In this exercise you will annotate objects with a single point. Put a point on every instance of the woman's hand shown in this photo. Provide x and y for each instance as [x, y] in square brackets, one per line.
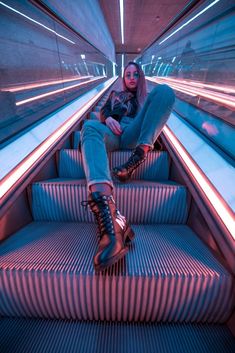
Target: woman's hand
[113, 125]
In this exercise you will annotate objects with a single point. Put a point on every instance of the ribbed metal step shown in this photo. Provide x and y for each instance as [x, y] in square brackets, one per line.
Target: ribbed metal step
[141, 202]
[168, 275]
[37, 336]
[156, 167]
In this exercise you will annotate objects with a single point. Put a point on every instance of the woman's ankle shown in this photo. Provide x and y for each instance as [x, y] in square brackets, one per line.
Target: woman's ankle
[103, 188]
[145, 148]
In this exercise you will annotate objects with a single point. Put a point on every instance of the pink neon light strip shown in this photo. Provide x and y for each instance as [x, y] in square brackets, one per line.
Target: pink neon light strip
[43, 84]
[219, 96]
[216, 201]
[227, 89]
[9, 180]
[55, 92]
[216, 97]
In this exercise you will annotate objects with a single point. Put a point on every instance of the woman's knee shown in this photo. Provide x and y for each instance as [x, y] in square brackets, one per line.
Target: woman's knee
[95, 116]
[163, 93]
[163, 90]
[91, 126]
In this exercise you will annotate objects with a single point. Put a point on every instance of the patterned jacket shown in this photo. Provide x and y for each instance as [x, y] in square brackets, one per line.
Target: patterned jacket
[120, 104]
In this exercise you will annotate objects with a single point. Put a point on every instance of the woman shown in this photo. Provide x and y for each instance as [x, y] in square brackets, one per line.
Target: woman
[129, 120]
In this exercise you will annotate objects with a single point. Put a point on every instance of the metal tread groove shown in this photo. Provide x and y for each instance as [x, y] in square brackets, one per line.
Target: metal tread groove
[155, 202]
[156, 166]
[168, 275]
[25, 335]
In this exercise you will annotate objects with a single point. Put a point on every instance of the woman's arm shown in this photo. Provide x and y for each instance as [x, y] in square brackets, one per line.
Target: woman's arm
[106, 110]
[113, 125]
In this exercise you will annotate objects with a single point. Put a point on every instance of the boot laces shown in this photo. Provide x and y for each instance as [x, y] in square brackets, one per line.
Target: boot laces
[100, 209]
[134, 161]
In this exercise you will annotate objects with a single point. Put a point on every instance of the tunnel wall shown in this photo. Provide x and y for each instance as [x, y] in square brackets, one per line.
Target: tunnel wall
[43, 66]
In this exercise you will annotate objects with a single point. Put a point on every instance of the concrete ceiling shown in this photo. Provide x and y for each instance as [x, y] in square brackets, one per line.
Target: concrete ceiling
[144, 21]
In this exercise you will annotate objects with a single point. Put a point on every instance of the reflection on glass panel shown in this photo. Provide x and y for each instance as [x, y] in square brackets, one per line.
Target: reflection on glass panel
[197, 59]
[43, 65]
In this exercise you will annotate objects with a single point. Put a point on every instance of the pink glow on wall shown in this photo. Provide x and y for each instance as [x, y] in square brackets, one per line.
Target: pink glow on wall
[11, 179]
[56, 91]
[192, 88]
[24, 87]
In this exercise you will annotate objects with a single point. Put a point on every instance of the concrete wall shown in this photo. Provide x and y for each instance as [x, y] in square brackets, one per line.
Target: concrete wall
[86, 17]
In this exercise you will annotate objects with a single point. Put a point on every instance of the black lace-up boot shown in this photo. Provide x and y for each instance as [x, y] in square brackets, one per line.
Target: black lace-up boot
[114, 230]
[124, 172]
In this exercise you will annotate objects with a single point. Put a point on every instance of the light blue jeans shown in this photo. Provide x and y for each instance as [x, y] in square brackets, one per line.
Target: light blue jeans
[97, 139]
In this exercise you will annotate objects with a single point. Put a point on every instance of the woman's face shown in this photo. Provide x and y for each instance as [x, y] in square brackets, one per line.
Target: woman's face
[131, 77]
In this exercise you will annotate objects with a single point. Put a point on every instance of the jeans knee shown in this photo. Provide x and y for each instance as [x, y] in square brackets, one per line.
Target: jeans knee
[90, 126]
[95, 116]
[163, 91]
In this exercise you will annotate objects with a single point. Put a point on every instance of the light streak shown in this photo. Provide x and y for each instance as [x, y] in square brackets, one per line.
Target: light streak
[39, 85]
[28, 100]
[226, 89]
[215, 199]
[189, 21]
[11, 178]
[217, 97]
[159, 68]
[122, 64]
[36, 22]
[114, 69]
[122, 19]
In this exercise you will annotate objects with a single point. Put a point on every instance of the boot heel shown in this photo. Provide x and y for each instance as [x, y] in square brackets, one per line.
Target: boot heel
[129, 235]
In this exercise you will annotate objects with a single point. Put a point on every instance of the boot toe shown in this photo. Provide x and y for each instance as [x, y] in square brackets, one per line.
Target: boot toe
[108, 258]
[120, 174]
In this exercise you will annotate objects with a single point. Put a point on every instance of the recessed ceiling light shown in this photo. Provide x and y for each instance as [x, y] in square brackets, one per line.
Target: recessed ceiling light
[121, 5]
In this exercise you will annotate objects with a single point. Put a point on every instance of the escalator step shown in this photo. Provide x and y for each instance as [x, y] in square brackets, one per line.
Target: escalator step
[140, 201]
[168, 275]
[156, 167]
[54, 336]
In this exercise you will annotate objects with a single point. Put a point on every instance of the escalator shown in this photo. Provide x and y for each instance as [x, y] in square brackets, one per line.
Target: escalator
[169, 294]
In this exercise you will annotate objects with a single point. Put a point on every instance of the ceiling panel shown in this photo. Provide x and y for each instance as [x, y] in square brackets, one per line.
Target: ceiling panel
[144, 21]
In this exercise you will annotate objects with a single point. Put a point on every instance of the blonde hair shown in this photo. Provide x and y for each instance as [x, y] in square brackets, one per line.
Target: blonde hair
[141, 91]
